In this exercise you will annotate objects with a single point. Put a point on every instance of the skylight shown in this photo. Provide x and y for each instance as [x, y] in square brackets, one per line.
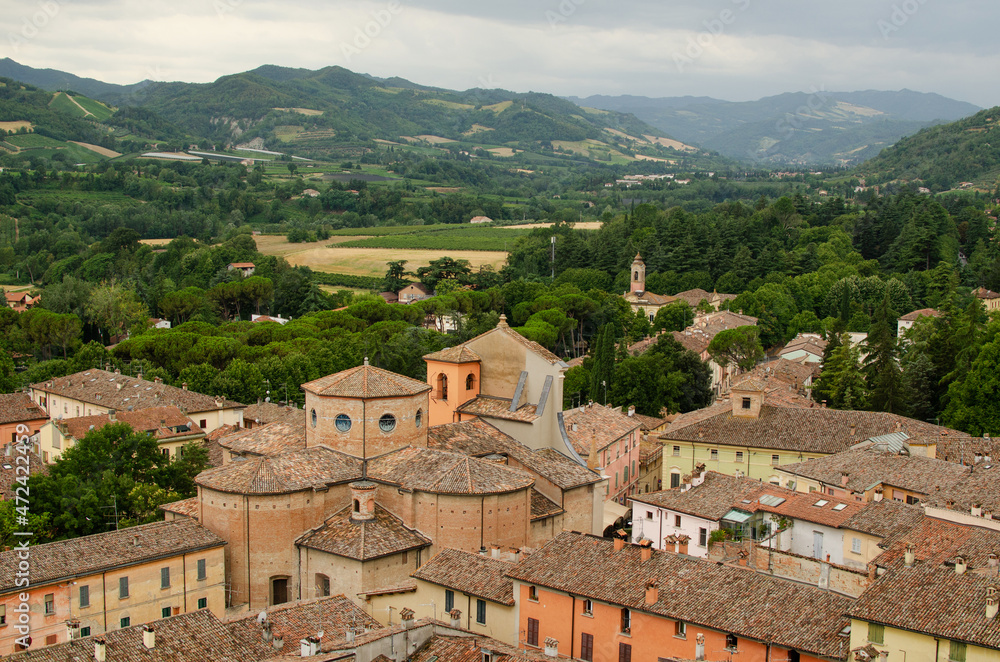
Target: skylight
[821, 503]
[840, 506]
[772, 500]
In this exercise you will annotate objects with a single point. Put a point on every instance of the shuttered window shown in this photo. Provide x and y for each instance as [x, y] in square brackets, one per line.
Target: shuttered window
[624, 652]
[532, 631]
[587, 647]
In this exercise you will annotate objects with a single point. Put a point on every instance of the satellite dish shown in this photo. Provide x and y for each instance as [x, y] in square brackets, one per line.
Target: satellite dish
[262, 618]
[319, 635]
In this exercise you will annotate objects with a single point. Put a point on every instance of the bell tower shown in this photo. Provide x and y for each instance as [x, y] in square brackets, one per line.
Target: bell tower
[638, 282]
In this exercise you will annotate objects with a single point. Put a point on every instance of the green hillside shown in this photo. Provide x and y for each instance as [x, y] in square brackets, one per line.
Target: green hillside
[943, 156]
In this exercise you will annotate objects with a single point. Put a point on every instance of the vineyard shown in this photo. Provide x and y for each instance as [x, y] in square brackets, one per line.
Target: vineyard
[441, 237]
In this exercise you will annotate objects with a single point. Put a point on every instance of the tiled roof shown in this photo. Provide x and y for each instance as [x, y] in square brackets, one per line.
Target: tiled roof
[459, 354]
[967, 450]
[886, 519]
[479, 439]
[263, 413]
[649, 422]
[813, 345]
[503, 328]
[867, 467]
[9, 475]
[723, 598]
[442, 648]
[101, 388]
[440, 472]
[295, 621]
[77, 557]
[192, 637]
[937, 542]
[815, 430]
[163, 423]
[18, 408]
[366, 381]
[749, 384]
[649, 448]
[816, 508]
[270, 439]
[363, 540]
[722, 320]
[596, 423]
[793, 373]
[475, 574]
[694, 297]
[282, 474]
[983, 293]
[241, 265]
[979, 488]
[917, 314]
[184, 507]
[490, 406]
[713, 498]
[542, 506]
[649, 298]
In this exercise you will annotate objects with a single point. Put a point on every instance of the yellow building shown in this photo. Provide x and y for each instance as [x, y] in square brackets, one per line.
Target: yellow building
[474, 584]
[759, 429]
[95, 392]
[95, 584]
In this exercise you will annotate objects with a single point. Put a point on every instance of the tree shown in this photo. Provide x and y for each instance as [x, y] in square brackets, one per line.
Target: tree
[882, 368]
[394, 280]
[117, 309]
[974, 402]
[740, 346]
[442, 269]
[603, 367]
[674, 317]
[182, 305]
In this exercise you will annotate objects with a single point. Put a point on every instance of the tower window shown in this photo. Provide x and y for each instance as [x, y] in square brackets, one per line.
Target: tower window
[387, 423]
[343, 422]
[312, 415]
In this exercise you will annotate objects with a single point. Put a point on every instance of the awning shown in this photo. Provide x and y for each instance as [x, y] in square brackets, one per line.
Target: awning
[737, 516]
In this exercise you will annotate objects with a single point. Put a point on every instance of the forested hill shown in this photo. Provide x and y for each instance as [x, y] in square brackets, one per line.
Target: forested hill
[24, 103]
[942, 157]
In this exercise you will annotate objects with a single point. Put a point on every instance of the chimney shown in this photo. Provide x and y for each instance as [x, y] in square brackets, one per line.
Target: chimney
[100, 650]
[652, 592]
[135, 541]
[184, 386]
[119, 386]
[960, 565]
[157, 380]
[551, 647]
[994, 560]
[350, 635]
[647, 550]
[844, 477]
[278, 642]
[976, 510]
[112, 414]
[406, 616]
[991, 602]
[910, 555]
[619, 544]
[138, 375]
[265, 632]
[149, 636]
[878, 494]
[575, 427]
[309, 647]
[631, 410]
[456, 618]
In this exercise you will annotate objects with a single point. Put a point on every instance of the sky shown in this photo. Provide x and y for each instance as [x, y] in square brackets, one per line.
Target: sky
[736, 50]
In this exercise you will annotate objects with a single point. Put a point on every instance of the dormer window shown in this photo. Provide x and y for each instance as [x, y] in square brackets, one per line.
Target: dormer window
[746, 403]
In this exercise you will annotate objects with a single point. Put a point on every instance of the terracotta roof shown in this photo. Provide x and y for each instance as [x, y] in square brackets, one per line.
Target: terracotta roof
[442, 648]
[885, 519]
[459, 354]
[715, 497]
[490, 406]
[543, 507]
[868, 467]
[983, 293]
[475, 574]
[976, 488]
[649, 449]
[184, 507]
[366, 381]
[317, 466]
[720, 597]
[101, 388]
[694, 297]
[603, 425]
[816, 508]
[363, 540]
[649, 422]
[295, 621]
[649, 298]
[418, 287]
[917, 314]
[269, 439]
[263, 413]
[793, 373]
[439, 472]
[192, 637]
[19, 408]
[57, 561]
[478, 438]
[695, 340]
[810, 344]
[966, 450]
[241, 265]
[796, 429]
[937, 542]
[749, 384]
[9, 473]
[504, 329]
[163, 423]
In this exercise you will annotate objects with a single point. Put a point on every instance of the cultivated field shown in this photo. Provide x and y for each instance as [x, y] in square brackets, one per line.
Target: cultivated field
[103, 151]
[15, 125]
[586, 225]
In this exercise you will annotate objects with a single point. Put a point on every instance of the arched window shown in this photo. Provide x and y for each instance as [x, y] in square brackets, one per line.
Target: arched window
[387, 423]
[312, 415]
[442, 387]
[635, 276]
[470, 382]
[419, 418]
[279, 590]
[322, 585]
[357, 506]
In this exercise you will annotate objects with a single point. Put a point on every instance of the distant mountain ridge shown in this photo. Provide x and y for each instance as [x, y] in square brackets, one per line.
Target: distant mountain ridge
[820, 128]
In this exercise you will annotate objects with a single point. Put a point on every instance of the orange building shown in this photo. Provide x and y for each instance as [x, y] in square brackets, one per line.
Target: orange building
[18, 409]
[634, 603]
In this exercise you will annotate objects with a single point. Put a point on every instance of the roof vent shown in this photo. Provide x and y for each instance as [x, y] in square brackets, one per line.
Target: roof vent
[960, 565]
[100, 650]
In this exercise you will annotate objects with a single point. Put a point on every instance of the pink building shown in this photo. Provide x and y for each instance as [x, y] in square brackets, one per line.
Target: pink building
[609, 442]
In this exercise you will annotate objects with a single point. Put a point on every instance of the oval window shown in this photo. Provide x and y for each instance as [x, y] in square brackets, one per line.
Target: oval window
[343, 422]
[313, 415]
[387, 423]
[419, 418]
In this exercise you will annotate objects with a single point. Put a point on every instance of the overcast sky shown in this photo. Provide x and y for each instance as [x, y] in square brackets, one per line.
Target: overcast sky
[728, 49]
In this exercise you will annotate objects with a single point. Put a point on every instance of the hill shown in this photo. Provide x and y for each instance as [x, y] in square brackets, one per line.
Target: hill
[336, 113]
[834, 128]
[942, 157]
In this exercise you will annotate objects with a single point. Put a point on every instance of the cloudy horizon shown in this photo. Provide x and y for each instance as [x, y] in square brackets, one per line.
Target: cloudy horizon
[736, 50]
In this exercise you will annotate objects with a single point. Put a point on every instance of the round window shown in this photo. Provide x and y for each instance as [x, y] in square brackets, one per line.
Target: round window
[387, 423]
[313, 415]
[343, 422]
[419, 418]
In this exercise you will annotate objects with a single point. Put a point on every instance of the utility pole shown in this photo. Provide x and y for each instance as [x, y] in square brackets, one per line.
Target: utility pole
[553, 258]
